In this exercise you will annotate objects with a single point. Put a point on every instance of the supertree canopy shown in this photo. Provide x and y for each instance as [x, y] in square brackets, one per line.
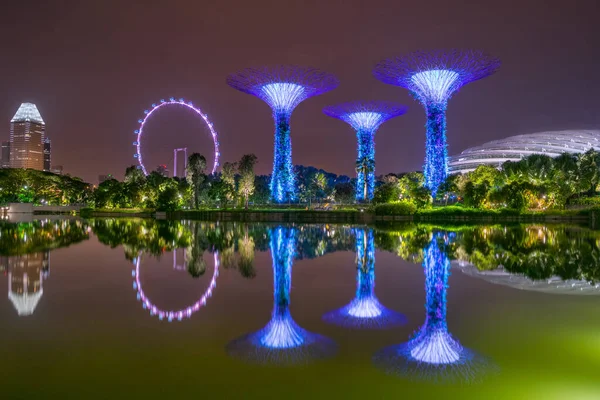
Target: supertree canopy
[365, 311]
[432, 353]
[432, 78]
[283, 88]
[365, 118]
[282, 341]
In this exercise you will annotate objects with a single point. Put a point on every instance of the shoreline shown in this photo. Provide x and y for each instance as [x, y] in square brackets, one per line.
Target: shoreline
[366, 217]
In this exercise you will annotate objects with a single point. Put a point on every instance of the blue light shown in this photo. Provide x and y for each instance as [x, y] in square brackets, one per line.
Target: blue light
[436, 85]
[282, 340]
[365, 118]
[282, 88]
[283, 96]
[365, 310]
[432, 78]
[432, 353]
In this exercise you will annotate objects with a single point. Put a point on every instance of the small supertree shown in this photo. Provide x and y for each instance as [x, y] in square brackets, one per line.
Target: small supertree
[365, 311]
[282, 341]
[432, 353]
[432, 78]
[365, 118]
[283, 88]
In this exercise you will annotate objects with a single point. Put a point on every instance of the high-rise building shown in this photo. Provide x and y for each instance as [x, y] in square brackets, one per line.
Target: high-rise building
[27, 129]
[57, 169]
[47, 153]
[5, 163]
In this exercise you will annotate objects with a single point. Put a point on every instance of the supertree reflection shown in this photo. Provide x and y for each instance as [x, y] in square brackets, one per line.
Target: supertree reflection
[432, 353]
[282, 341]
[365, 311]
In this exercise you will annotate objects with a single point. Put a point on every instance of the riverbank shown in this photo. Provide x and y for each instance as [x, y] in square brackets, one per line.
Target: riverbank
[357, 216]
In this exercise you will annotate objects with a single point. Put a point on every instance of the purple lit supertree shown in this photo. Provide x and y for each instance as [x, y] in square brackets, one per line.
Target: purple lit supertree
[365, 118]
[365, 311]
[283, 88]
[432, 353]
[432, 78]
[282, 341]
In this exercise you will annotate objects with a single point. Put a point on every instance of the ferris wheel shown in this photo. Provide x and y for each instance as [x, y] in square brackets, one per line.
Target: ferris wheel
[171, 315]
[176, 103]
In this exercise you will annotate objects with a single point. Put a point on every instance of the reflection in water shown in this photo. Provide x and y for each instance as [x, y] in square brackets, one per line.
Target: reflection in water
[282, 341]
[365, 311]
[25, 256]
[432, 353]
[173, 314]
[26, 274]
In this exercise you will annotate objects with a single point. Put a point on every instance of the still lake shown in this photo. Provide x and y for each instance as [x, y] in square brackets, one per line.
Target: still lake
[139, 308]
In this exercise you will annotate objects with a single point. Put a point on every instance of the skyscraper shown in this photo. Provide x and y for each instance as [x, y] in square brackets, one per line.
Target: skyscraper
[5, 155]
[27, 138]
[47, 153]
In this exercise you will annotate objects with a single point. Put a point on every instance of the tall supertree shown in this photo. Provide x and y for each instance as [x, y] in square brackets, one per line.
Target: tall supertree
[282, 341]
[432, 78]
[432, 353]
[365, 118]
[365, 311]
[283, 88]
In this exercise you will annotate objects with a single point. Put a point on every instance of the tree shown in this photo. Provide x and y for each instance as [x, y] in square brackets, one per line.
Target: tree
[386, 193]
[228, 179]
[365, 166]
[344, 192]
[195, 175]
[247, 177]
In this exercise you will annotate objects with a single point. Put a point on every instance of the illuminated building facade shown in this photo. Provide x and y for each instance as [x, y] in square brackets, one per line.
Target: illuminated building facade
[27, 130]
[514, 148]
[47, 154]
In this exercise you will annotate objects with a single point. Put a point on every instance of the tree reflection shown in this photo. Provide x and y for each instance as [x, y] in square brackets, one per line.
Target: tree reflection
[282, 340]
[25, 256]
[433, 353]
[365, 310]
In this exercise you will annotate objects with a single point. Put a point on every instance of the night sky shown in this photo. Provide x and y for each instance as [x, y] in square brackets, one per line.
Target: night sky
[92, 67]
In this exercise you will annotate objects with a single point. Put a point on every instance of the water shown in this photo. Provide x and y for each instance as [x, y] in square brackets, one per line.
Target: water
[116, 308]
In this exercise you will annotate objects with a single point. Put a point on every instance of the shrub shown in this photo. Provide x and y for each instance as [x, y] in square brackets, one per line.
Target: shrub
[402, 207]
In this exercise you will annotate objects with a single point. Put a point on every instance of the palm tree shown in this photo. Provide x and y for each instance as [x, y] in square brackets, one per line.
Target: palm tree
[365, 166]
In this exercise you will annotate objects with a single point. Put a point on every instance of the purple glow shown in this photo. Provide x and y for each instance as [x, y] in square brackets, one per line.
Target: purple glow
[179, 314]
[180, 102]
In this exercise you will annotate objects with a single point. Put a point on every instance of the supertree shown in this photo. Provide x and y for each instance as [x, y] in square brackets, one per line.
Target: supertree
[282, 341]
[283, 88]
[432, 78]
[365, 118]
[365, 311]
[432, 353]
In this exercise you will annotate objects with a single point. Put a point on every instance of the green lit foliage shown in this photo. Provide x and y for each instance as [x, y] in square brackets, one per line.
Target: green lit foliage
[195, 175]
[229, 185]
[39, 187]
[247, 177]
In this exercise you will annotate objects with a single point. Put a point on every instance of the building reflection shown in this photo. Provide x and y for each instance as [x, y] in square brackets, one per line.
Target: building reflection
[365, 310]
[433, 353]
[282, 340]
[26, 274]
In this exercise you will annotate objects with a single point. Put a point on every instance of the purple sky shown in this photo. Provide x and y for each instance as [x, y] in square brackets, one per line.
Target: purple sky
[93, 67]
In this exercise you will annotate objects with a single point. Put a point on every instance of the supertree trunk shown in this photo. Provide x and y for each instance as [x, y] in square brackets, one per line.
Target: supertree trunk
[436, 153]
[283, 178]
[366, 175]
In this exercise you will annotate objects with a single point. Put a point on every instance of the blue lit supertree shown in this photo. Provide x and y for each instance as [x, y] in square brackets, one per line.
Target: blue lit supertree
[283, 88]
[432, 353]
[282, 341]
[432, 78]
[365, 311]
[365, 118]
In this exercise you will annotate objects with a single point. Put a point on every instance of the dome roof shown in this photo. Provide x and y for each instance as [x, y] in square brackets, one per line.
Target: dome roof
[514, 148]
